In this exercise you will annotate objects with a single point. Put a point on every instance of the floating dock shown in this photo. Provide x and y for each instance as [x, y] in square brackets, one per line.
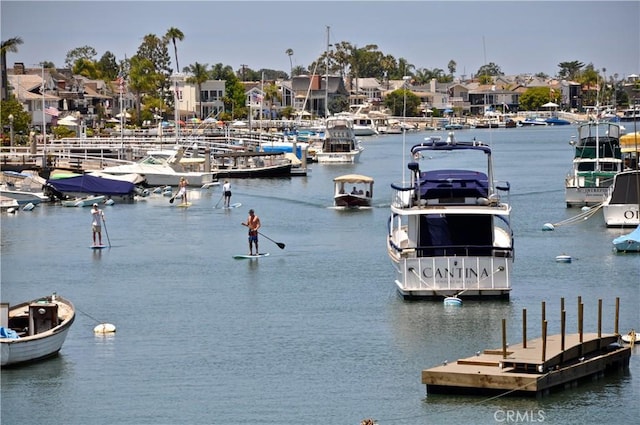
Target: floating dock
[534, 367]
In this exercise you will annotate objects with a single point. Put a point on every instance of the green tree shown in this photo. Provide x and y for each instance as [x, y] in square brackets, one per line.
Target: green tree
[570, 70]
[534, 97]
[155, 50]
[395, 101]
[86, 68]
[174, 34]
[108, 66]
[220, 71]
[21, 118]
[199, 74]
[451, 66]
[143, 78]
[84, 52]
[489, 69]
[7, 46]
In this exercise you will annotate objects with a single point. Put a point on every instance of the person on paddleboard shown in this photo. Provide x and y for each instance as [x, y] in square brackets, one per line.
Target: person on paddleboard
[253, 223]
[226, 192]
[182, 192]
[96, 224]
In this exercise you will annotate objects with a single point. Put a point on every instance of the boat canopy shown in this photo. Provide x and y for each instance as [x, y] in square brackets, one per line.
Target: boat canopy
[630, 142]
[90, 184]
[353, 178]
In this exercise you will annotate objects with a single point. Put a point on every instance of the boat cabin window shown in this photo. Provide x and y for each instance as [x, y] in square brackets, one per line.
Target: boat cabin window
[455, 234]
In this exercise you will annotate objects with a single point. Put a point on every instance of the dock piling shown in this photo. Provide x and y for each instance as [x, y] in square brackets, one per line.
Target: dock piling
[544, 342]
[615, 331]
[524, 328]
[504, 338]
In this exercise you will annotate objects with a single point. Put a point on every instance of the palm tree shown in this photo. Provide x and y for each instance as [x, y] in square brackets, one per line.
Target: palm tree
[10, 45]
[199, 74]
[272, 94]
[174, 34]
[289, 53]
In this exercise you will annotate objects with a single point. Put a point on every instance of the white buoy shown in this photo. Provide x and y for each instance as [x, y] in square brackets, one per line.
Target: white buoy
[585, 209]
[548, 226]
[455, 301]
[104, 328]
[109, 202]
[28, 207]
[563, 258]
[11, 210]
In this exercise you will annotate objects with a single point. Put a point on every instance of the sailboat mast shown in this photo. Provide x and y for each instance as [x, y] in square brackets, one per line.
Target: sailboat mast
[326, 78]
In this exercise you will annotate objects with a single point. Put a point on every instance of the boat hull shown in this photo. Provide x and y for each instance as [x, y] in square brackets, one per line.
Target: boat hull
[621, 215]
[585, 196]
[351, 201]
[41, 345]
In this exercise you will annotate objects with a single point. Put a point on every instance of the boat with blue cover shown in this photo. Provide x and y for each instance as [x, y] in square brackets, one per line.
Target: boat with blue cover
[449, 232]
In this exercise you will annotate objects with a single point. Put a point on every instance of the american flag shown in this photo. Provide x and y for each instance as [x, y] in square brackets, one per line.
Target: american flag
[121, 82]
[51, 111]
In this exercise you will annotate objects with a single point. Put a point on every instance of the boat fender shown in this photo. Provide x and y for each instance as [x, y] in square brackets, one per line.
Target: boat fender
[28, 207]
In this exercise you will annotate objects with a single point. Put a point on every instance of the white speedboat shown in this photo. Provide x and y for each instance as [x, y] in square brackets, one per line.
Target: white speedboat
[165, 167]
[352, 191]
[34, 330]
[340, 145]
[449, 232]
[24, 187]
[597, 159]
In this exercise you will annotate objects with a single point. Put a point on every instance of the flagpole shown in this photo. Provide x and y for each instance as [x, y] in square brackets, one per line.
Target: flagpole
[44, 124]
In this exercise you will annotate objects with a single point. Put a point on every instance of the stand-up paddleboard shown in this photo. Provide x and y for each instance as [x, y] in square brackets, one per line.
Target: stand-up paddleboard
[244, 257]
[236, 205]
[99, 246]
[184, 205]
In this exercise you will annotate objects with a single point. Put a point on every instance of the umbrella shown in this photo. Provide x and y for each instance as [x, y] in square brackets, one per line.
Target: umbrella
[126, 115]
[68, 121]
[194, 120]
[550, 105]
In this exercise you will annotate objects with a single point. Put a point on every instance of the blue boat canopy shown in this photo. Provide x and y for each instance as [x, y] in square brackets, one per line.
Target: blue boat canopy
[92, 185]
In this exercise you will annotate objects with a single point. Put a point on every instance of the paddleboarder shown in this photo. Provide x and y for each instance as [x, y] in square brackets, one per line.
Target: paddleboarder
[226, 192]
[97, 216]
[182, 192]
[253, 223]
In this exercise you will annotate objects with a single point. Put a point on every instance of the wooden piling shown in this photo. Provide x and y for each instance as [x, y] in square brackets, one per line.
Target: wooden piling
[544, 341]
[504, 338]
[615, 331]
[524, 328]
[563, 326]
[599, 318]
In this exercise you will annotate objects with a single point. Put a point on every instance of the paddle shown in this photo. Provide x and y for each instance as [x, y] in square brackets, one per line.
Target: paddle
[221, 196]
[174, 197]
[106, 232]
[280, 244]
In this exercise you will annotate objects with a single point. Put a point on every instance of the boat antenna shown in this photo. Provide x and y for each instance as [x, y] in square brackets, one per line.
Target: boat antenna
[405, 79]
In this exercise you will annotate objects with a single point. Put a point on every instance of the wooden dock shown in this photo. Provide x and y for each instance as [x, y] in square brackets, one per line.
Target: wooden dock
[519, 372]
[534, 367]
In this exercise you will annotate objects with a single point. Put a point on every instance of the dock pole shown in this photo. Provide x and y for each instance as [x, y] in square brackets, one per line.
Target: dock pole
[580, 328]
[544, 341]
[599, 321]
[615, 331]
[504, 338]
[524, 328]
[563, 328]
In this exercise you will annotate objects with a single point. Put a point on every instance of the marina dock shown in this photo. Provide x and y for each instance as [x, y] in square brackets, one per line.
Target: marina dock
[533, 367]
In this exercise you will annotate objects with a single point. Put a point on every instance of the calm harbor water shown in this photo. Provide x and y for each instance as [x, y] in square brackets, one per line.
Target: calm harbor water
[316, 332]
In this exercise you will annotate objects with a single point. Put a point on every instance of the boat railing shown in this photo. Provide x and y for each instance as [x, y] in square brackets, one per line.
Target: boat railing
[455, 250]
